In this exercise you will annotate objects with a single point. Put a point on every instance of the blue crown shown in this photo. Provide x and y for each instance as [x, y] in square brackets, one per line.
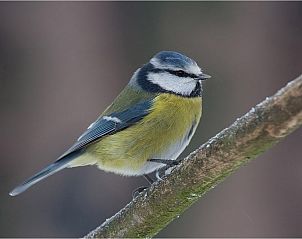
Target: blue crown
[172, 58]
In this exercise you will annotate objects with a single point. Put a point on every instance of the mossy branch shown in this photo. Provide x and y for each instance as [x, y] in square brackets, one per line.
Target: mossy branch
[255, 132]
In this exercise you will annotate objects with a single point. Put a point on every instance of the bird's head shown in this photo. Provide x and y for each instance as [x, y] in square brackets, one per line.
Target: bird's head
[171, 72]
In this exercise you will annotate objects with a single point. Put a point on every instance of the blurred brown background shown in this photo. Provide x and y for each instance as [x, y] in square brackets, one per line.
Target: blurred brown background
[62, 63]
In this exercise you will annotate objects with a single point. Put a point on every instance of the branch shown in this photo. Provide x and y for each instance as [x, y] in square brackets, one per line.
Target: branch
[248, 137]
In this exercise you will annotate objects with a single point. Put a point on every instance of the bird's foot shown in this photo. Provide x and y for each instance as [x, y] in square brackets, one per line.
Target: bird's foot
[137, 191]
[160, 173]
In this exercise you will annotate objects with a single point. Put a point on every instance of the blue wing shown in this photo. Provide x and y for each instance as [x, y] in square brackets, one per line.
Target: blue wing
[108, 124]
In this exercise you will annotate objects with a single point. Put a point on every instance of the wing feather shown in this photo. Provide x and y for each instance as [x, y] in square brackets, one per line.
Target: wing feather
[110, 124]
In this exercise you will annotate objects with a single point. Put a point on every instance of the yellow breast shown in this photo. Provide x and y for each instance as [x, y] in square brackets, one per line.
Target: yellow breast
[127, 151]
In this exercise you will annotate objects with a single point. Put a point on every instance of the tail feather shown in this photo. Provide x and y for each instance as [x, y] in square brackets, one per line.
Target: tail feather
[44, 173]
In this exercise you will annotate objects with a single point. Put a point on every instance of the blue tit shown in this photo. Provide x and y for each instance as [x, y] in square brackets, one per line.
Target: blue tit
[149, 123]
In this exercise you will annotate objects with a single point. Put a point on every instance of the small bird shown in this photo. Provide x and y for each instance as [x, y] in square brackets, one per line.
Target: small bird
[146, 127]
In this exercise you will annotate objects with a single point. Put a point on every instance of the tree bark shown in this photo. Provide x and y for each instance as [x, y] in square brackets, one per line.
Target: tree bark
[248, 137]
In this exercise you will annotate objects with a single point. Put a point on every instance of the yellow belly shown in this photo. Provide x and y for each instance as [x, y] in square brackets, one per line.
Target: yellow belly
[127, 151]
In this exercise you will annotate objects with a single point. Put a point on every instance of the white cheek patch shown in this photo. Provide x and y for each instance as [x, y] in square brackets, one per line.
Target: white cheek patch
[180, 85]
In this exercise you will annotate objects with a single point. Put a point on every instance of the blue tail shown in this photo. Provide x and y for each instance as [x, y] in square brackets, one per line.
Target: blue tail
[44, 173]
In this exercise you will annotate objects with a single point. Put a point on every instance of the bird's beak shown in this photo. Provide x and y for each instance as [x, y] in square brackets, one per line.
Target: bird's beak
[203, 76]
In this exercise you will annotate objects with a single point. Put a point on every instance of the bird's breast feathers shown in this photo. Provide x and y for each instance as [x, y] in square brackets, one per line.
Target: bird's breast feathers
[163, 133]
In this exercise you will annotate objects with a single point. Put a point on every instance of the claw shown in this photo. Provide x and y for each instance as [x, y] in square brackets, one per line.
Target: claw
[160, 173]
[137, 191]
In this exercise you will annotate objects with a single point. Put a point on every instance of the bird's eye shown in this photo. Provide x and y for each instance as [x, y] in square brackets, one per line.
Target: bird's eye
[180, 73]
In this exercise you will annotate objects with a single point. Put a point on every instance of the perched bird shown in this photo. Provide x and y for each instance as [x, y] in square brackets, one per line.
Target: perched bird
[146, 127]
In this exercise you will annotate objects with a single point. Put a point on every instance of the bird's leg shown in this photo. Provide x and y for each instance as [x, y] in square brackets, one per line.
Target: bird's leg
[168, 162]
[140, 189]
[159, 173]
[148, 178]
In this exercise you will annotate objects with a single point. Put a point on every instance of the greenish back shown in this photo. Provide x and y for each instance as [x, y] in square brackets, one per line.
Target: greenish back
[128, 97]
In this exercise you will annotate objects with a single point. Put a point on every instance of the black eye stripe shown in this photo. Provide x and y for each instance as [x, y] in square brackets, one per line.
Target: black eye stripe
[181, 73]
